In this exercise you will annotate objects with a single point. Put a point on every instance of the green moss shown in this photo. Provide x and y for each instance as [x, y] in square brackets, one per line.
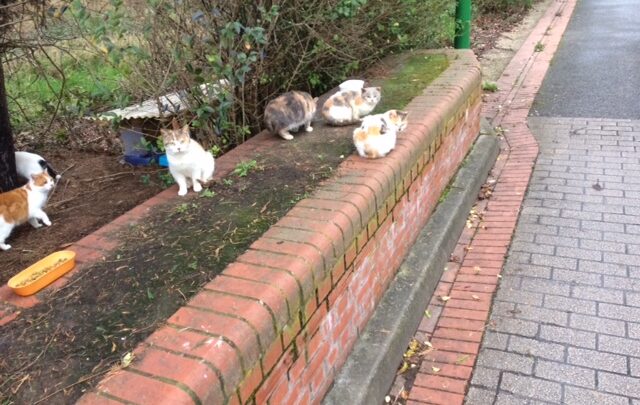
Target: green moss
[407, 82]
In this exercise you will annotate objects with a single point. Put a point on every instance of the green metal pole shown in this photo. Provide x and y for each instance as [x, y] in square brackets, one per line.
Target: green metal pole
[463, 25]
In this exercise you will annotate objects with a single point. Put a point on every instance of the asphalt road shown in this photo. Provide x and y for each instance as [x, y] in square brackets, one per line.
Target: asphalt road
[596, 71]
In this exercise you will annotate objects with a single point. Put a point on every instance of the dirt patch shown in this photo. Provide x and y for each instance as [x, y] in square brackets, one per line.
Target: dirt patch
[92, 184]
[84, 329]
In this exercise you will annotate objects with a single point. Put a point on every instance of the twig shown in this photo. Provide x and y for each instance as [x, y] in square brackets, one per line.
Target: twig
[46, 347]
[80, 381]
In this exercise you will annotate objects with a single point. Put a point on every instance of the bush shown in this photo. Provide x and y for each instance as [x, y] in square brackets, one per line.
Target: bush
[260, 49]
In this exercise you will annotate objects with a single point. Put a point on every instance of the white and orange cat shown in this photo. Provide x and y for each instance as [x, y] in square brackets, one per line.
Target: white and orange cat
[188, 161]
[24, 204]
[377, 135]
[348, 106]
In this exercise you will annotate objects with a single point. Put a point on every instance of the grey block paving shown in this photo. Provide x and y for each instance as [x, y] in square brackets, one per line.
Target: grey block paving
[565, 325]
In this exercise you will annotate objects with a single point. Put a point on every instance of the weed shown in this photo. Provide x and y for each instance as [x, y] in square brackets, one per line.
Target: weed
[444, 194]
[539, 47]
[243, 168]
[207, 193]
[227, 182]
[145, 179]
[491, 87]
[182, 208]
[166, 179]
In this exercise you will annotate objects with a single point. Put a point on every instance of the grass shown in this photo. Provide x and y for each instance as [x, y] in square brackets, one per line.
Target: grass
[243, 168]
[410, 80]
[90, 85]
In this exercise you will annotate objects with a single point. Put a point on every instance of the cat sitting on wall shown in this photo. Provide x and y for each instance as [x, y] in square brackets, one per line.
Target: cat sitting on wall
[188, 161]
[348, 106]
[377, 135]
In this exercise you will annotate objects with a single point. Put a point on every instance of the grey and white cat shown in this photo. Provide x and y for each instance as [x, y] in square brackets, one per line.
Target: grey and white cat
[188, 161]
[289, 112]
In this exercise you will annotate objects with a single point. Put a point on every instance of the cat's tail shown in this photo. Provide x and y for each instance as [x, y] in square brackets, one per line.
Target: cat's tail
[207, 171]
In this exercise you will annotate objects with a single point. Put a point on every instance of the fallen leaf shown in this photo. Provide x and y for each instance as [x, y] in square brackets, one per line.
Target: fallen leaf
[597, 186]
[127, 359]
[462, 359]
[475, 297]
[404, 394]
[427, 313]
[428, 344]
[444, 298]
[435, 369]
[405, 367]
[477, 269]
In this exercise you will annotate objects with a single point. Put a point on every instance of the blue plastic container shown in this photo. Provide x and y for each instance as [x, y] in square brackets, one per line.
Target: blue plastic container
[162, 160]
[139, 160]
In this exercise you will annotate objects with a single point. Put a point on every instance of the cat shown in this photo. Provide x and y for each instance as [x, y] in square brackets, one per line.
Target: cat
[377, 135]
[289, 112]
[24, 204]
[348, 106]
[28, 164]
[188, 161]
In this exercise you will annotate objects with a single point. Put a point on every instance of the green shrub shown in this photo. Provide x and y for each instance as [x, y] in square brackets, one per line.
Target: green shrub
[260, 51]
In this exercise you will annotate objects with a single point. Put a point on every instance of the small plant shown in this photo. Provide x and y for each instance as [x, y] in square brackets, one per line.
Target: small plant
[227, 182]
[145, 179]
[539, 47]
[182, 208]
[243, 168]
[489, 86]
[166, 179]
[207, 193]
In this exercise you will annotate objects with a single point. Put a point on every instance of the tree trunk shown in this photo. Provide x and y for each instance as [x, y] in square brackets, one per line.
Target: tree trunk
[8, 176]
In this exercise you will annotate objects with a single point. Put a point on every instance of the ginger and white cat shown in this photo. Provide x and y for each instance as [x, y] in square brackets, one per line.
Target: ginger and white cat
[28, 164]
[24, 204]
[377, 135]
[188, 161]
[348, 106]
[289, 112]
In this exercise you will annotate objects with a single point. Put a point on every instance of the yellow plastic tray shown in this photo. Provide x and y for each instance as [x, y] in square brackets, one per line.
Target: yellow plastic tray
[56, 265]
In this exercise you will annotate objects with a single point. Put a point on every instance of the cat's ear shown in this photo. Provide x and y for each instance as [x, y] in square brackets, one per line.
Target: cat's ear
[402, 114]
[383, 126]
[378, 89]
[185, 129]
[315, 100]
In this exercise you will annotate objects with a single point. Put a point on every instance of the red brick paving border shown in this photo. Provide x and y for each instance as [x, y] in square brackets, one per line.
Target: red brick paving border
[457, 324]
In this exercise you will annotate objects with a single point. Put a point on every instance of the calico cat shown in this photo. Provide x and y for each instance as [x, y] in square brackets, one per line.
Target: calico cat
[289, 112]
[24, 204]
[28, 164]
[377, 135]
[348, 106]
[188, 161]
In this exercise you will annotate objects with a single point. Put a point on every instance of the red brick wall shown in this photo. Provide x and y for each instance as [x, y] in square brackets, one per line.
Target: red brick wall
[279, 322]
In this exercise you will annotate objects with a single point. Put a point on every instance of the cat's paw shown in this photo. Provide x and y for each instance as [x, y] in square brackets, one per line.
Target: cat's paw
[309, 129]
[286, 137]
[46, 221]
[4, 246]
[197, 187]
[182, 191]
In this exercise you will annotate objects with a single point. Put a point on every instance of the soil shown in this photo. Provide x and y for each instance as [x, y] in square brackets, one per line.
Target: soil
[92, 184]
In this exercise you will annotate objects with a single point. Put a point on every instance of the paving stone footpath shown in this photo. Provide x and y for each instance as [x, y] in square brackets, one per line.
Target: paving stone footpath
[543, 291]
